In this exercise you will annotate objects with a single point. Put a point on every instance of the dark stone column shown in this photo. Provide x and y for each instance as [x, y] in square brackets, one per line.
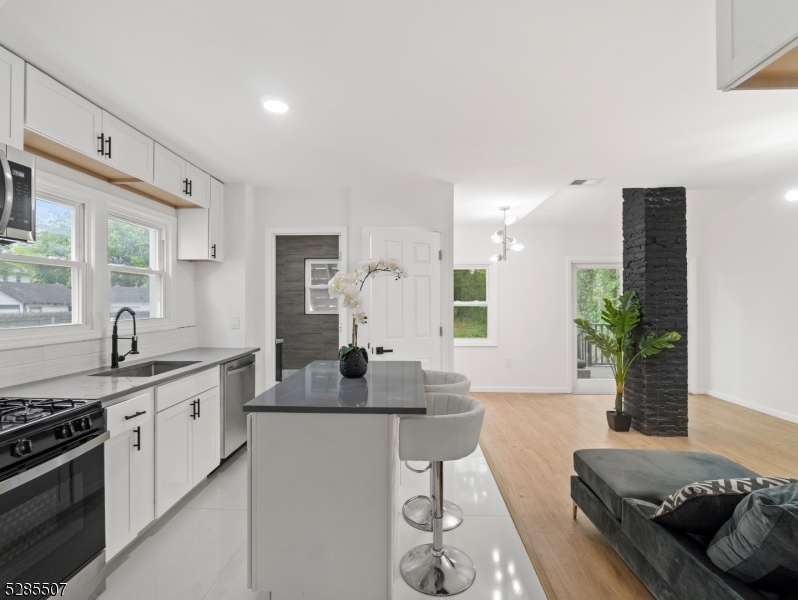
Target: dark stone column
[655, 266]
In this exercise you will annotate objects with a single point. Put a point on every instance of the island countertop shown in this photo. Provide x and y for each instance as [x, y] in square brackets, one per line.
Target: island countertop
[389, 388]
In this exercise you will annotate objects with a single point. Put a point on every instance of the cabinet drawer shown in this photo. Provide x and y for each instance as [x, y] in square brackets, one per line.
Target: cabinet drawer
[130, 413]
[173, 392]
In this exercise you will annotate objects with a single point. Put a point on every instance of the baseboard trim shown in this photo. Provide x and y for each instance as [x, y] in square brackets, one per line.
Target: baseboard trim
[753, 406]
[520, 390]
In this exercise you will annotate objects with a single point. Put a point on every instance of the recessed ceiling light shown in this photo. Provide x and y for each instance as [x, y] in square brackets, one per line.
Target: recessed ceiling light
[275, 106]
[792, 195]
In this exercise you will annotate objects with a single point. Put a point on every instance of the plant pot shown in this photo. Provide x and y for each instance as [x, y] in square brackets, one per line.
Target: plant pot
[354, 364]
[619, 422]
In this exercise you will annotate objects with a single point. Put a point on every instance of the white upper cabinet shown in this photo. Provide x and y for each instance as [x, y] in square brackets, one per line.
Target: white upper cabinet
[757, 44]
[60, 114]
[170, 171]
[199, 186]
[200, 231]
[12, 99]
[127, 149]
[216, 219]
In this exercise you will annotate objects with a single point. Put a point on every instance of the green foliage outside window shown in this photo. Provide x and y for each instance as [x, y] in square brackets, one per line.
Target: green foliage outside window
[128, 246]
[53, 240]
[470, 285]
[592, 286]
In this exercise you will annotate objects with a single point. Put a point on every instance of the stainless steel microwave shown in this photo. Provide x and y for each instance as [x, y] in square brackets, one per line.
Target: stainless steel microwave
[17, 196]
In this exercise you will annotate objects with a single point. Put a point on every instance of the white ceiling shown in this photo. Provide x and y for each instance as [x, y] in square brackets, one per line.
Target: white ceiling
[508, 100]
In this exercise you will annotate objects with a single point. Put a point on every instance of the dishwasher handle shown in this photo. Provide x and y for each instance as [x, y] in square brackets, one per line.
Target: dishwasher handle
[239, 370]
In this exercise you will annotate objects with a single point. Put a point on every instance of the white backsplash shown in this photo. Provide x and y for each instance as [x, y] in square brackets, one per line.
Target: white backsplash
[23, 365]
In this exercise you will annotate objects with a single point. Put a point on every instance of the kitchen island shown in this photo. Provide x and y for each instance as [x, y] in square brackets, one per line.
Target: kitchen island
[322, 470]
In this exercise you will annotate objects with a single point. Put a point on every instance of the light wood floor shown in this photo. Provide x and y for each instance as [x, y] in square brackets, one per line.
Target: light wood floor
[529, 440]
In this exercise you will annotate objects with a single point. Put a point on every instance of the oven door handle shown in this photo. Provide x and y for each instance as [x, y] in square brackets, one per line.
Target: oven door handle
[53, 463]
[9, 203]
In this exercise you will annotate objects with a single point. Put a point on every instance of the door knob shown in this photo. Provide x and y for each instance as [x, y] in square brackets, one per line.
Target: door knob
[381, 350]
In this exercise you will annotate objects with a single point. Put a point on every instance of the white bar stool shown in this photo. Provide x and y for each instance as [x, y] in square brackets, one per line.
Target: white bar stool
[417, 511]
[449, 431]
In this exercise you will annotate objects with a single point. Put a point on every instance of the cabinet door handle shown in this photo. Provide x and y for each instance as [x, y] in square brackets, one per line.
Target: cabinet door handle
[108, 154]
[138, 414]
[198, 408]
[185, 187]
[213, 251]
[137, 445]
[101, 149]
[194, 410]
[190, 187]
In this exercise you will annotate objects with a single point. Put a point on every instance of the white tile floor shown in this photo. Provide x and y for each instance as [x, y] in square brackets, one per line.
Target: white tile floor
[198, 552]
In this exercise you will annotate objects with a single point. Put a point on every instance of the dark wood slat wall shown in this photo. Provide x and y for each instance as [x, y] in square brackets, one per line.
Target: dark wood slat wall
[306, 337]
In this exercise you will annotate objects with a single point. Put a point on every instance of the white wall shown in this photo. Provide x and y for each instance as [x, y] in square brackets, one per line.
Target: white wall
[532, 310]
[237, 286]
[748, 304]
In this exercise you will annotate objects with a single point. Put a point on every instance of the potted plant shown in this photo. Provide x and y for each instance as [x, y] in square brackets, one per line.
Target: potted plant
[353, 360]
[618, 343]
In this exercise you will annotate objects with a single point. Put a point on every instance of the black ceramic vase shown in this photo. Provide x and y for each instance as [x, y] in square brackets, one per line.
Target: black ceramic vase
[354, 364]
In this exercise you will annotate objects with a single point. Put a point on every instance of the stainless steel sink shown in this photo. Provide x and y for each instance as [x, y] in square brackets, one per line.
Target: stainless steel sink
[148, 369]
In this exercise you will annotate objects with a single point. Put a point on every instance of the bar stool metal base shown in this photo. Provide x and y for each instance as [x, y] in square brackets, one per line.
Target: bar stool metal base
[418, 512]
[445, 575]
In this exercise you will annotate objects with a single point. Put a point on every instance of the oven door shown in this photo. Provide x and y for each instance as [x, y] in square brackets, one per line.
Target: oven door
[52, 516]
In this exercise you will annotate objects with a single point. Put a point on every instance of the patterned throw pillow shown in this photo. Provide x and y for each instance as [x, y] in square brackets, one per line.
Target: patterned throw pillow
[703, 507]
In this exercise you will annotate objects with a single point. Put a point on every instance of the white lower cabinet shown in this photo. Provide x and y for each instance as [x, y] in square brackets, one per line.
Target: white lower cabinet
[129, 471]
[187, 446]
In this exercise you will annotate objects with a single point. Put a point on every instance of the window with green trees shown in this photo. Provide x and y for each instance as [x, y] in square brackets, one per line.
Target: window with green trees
[471, 303]
[36, 278]
[135, 269]
[592, 286]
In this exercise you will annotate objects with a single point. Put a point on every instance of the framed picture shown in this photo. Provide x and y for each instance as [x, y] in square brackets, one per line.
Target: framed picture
[318, 272]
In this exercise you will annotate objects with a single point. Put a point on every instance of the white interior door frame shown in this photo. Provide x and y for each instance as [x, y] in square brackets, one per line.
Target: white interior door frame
[270, 322]
[447, 283]
[572, 263]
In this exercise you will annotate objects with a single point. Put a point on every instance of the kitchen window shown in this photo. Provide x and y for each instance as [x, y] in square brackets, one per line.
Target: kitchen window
[136, 270]
[43, 284]
[475, 305]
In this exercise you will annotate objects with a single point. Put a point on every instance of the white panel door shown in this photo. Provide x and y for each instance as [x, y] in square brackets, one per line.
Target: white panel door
[128, 149]
[206, 447]
[405, 315]
[169, 171]
[12, 99]
[172, 455]
[59, 113]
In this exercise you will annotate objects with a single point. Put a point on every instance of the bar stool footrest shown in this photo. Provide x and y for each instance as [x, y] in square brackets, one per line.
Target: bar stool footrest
[417, 511]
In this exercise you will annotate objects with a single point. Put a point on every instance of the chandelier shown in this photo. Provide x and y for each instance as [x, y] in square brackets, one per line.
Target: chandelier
[501, 237]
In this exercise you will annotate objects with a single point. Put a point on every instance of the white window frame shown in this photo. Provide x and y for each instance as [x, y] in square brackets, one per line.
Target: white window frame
[83, 201]
[166, 253]
[491, 302]
[309, 262]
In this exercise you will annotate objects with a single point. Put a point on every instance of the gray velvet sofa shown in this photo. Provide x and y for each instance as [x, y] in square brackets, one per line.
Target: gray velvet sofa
[618, 490]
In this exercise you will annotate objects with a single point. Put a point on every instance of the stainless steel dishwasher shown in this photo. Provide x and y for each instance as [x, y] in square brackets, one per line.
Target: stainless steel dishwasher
[238, 388]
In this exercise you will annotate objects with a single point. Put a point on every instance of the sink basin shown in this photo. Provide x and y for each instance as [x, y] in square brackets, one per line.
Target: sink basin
[148, 369]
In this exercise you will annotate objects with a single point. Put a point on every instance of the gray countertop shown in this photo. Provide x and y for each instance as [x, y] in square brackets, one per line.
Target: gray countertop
[389, 387]
[82, 386]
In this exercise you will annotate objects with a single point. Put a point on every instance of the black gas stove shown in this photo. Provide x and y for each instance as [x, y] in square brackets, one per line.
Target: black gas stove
[33, 430]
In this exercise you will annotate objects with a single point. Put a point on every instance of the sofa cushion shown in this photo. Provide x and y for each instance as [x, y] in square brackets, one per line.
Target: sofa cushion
[703, 507]
[649, 475]
[759, 543]
[679, 558]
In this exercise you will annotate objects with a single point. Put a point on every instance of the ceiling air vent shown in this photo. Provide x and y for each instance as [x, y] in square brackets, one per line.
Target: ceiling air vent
[586, 181]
